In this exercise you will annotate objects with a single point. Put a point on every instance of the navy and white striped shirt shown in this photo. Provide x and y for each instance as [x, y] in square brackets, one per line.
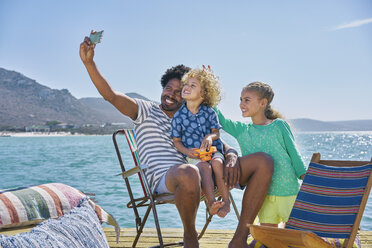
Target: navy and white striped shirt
[155, 146]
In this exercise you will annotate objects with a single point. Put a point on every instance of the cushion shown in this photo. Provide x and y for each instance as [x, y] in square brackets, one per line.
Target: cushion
[31, 205]
[78, 228]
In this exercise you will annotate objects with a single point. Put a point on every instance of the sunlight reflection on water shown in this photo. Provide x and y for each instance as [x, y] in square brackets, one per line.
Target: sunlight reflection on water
[89, 163]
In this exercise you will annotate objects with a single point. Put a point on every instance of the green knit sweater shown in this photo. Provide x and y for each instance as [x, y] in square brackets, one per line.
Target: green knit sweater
[275, 139]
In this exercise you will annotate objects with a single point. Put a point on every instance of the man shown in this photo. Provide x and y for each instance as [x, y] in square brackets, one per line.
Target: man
[167, 169]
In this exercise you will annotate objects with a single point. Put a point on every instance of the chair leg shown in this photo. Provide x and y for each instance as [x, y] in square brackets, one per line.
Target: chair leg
[234, 206]
[160, 237]
[139, 230]
[156, 219]
[152, 205]
[208, 219]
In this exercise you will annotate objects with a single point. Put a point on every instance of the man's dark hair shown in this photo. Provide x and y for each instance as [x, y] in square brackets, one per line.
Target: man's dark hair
[174, 72]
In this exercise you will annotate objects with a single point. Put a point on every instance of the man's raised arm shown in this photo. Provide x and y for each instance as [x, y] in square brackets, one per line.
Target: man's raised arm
[122, 102]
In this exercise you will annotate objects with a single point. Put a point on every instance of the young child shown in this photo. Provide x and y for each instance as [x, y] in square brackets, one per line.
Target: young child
[195, 125]
[270, 134]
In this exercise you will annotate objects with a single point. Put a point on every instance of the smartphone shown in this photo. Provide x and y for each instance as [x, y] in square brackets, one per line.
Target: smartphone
[96, 37]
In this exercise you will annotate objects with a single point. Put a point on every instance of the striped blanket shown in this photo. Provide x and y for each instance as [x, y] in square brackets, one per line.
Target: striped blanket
[79, 228]
[32, 205]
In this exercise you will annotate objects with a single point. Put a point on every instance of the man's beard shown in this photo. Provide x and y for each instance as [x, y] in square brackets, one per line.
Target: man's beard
[173, 107]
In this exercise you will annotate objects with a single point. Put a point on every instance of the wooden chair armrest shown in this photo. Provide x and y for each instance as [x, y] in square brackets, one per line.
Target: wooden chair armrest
[280, 237]
[130, 172]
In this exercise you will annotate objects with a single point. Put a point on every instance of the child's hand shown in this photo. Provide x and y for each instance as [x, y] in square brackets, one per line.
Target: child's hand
[206, 142]
[191, 153]
[207, 69]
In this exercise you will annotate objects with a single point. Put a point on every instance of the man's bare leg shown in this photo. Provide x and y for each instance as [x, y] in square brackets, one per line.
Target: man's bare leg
[184, 181]
[256, 171]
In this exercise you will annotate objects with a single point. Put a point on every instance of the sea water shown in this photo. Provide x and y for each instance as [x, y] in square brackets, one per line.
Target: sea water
[89, 163]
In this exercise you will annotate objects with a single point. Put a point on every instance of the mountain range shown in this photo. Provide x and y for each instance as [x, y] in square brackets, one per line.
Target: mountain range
[25, 102]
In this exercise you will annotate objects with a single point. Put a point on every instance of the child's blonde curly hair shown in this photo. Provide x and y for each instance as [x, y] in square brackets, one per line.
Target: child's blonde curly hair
[211, 90]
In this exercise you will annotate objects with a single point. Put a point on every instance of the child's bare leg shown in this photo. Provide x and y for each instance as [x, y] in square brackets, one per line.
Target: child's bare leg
[208, 187]
[217, 166]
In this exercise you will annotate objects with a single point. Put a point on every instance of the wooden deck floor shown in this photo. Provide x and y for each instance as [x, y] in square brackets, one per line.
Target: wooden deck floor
[149, 237]
[211, 239]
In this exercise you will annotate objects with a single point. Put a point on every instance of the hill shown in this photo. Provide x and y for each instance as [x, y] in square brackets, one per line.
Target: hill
[25, 102]
[106, 110]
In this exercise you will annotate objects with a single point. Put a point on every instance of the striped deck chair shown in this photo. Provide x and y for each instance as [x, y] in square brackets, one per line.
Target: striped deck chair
[148, 199]
[328, 208]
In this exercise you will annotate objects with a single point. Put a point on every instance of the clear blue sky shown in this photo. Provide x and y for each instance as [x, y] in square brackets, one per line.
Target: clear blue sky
[317, 55]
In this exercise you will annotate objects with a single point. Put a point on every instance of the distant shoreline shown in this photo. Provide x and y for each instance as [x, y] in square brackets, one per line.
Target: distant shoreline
[38, 134]
[5, 134]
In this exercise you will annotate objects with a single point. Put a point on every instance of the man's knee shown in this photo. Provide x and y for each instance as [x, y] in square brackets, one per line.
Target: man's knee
[189, 172]
[186, 176]
[265, 161]
[258, 162]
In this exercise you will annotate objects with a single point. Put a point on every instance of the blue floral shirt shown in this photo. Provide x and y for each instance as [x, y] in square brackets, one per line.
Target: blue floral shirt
[193, 128]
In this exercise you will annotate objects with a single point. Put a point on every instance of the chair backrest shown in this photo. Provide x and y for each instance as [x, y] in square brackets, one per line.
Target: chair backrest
[131, 139]
[132, 144]
[332, 198]
[149, 200]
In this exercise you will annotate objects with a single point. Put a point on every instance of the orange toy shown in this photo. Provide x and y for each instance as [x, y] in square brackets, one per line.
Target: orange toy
[206, 155]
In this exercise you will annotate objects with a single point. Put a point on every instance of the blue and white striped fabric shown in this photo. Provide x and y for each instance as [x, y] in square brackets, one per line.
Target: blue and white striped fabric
[79, 228]
[329, 200]
[155, 146]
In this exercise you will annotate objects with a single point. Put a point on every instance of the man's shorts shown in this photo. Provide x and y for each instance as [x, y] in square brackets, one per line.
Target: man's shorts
[276, 209]
[162, 188]
[195, 161]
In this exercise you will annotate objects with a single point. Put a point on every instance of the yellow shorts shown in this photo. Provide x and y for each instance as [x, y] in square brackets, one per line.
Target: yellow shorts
[276, 209]
[195, 161]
